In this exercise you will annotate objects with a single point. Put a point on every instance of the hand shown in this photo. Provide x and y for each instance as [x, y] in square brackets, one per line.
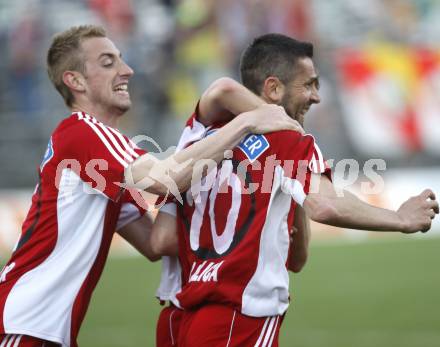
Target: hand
[418, 212]
[269, 118]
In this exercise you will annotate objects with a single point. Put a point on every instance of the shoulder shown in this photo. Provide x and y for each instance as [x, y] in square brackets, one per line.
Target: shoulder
[289, 139]
[76, 127]
[82, 135]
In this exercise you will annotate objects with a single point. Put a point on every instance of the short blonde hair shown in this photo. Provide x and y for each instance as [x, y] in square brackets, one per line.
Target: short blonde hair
[64, 55]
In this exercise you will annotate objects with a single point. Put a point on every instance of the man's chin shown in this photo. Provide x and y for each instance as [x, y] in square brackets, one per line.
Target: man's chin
[123, 107]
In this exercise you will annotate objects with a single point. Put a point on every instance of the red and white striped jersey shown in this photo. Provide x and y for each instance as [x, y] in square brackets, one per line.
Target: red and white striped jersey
[234, 223]
[46, 286]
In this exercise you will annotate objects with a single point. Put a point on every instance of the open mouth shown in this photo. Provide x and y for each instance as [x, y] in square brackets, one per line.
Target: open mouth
[121, 89]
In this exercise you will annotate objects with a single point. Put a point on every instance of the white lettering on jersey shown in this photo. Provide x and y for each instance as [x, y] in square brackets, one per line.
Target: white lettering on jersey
[205, 273]
[225, 178]
[5, 271]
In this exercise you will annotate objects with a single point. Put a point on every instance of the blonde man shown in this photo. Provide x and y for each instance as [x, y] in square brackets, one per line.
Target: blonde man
[80, 200]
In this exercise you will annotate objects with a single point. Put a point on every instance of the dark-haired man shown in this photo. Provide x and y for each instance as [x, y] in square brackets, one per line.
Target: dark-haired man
[79, 201]
[234, 225]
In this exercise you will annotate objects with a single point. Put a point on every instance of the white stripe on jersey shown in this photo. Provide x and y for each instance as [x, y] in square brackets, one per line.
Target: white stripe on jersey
[268, 332]
[5, 340]
[17, 342]
[106, 144]
[314, 165]
[132, 144]
[171, 326]
[273, 332]
[262, 332]
[230, 331]
[113, 141]
[129, 145]
[11, 340]
[50, 307]
[320, 158]
[259, 299]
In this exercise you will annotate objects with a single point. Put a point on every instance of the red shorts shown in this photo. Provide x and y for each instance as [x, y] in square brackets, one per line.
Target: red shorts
[222, 326]
[168, 326]
[12, 340]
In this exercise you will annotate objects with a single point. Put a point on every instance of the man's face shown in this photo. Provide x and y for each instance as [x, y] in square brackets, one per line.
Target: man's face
[106, 75]
[302, 91]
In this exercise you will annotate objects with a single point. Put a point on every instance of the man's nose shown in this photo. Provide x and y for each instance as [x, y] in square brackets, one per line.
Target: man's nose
[315, 98]
[126, 70]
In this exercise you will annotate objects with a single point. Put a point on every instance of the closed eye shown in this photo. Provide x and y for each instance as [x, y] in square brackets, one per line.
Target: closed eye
[108, 64]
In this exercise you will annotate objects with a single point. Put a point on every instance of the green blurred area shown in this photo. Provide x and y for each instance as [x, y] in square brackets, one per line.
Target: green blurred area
[375, 294]
[381, 293]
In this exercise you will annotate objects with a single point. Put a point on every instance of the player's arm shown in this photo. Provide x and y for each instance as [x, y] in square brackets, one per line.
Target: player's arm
[177, 170]
[300, 240]
[138, 234]
[349, 211]
[164, 238]
[225, 98]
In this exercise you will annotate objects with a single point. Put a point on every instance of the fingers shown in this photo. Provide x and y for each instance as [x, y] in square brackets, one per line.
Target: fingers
[434, 206]
[426, 225]
[428, 194]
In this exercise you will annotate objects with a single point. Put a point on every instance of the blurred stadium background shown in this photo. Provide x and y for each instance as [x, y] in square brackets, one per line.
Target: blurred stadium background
[379, 62]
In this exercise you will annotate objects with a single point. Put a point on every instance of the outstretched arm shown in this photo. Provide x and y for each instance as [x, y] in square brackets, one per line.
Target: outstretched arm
[326, 207]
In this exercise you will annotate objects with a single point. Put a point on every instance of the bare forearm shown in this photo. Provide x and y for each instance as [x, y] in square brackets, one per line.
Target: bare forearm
[356, 214]
[212, 147]
[347, 211]
[178, 169]
[351, 212]
[225, 99]
[164, 239]
[300, 241]
[174, 174]
[325, 206]
[138, 234]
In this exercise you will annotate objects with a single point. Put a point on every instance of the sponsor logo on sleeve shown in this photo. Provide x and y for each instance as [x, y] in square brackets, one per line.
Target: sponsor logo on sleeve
[48, 155]
[253, 146]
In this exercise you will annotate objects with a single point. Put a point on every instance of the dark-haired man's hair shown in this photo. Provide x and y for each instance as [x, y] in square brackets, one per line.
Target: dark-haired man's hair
[271, 55]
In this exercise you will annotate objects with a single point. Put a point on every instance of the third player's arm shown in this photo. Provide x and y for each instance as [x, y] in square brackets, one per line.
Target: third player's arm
[348, 211]
[164, 238]
[300, 240]
[138, 233]
[225, 98]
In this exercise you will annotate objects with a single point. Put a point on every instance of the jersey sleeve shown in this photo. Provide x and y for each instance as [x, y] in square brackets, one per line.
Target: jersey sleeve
[170, 208]
[301, 157]
[102, 153]
[193, 132]
[131, 209]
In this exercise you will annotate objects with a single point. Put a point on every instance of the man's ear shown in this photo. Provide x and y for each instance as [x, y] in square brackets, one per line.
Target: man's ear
[273, 90]
[74, 80]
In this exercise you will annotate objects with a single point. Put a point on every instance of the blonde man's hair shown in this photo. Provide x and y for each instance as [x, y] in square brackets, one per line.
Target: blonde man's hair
[65, 55]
